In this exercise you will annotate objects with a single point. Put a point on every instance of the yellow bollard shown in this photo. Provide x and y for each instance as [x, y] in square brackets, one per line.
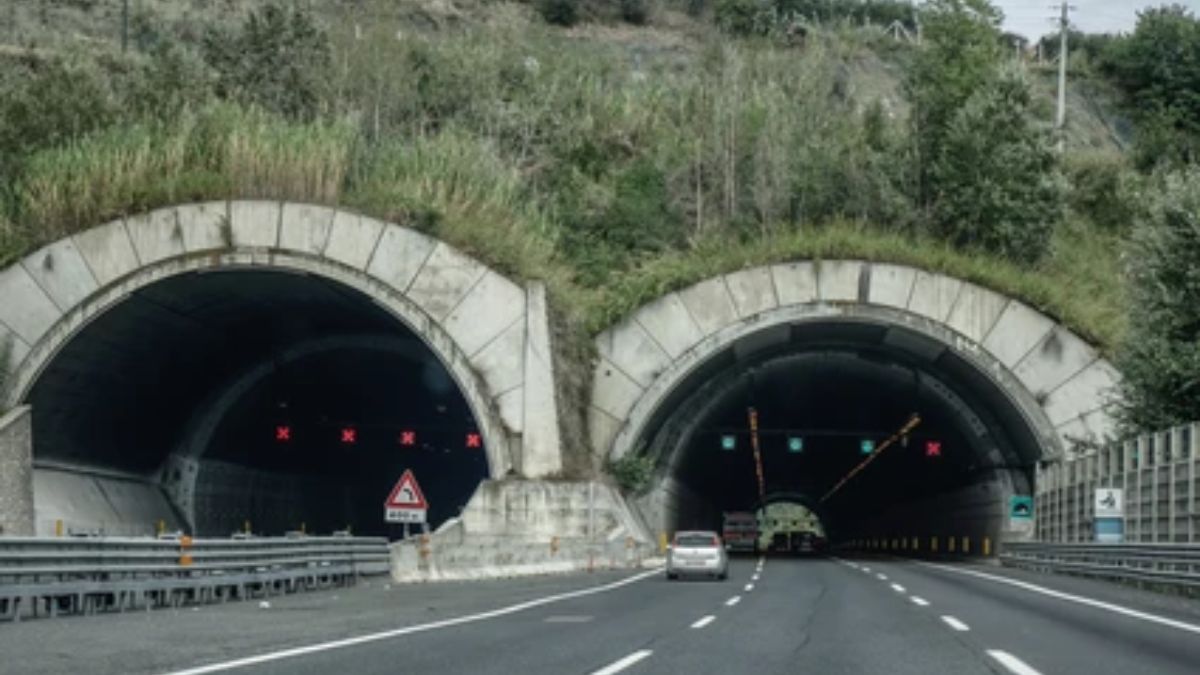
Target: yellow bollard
[950, 546]
[933, 544]
[246, 527]
[553, 545]
[966, 549]
[662, 542]
[303, 528]
[987, 546]
[161, 527]
[58, 528]
[916, 544]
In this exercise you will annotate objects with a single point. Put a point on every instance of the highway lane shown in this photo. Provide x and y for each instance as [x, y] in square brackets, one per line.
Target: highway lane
[1080, 626]
[820, 615]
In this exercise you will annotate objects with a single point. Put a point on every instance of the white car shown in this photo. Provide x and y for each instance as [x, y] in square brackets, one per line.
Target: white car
[697, 553]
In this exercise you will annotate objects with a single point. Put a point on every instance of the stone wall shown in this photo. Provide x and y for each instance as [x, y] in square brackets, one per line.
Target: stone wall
[16, 473]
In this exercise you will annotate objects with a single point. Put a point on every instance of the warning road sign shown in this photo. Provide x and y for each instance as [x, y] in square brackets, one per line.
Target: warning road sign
[406, 503]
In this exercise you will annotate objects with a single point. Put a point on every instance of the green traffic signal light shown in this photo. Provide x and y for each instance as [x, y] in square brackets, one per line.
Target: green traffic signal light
[728, 442]
[795, 444]
[867, 446]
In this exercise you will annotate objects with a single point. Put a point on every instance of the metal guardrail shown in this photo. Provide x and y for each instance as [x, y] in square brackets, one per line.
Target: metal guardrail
[88, 575]
[1175, 565]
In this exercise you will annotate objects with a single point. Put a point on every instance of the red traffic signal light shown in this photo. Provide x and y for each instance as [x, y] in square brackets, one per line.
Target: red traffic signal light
[474, 440]
[408, 438]
[349, 435]
[933, 448]
[283, 433]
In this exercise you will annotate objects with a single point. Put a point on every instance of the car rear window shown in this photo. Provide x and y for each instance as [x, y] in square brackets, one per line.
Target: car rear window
[691, 540]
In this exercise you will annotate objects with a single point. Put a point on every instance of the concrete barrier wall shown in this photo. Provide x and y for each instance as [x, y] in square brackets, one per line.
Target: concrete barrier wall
[16, 473]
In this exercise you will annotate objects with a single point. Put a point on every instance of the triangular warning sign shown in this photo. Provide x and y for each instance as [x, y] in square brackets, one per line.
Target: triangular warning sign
[407, 494]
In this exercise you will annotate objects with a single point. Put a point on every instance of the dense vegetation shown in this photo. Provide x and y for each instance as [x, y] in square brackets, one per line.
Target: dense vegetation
[646, 147]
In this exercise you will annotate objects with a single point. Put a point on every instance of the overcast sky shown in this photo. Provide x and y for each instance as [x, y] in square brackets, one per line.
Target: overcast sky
[1031, 18]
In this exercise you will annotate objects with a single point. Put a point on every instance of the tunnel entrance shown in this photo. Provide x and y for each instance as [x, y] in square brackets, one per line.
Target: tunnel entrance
[217, 400]
[826, 396]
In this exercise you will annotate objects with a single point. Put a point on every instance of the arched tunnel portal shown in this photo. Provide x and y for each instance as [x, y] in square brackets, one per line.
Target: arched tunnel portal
[889, 401]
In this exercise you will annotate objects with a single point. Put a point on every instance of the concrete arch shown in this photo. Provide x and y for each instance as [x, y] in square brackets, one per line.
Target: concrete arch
[490, 333]
[1059, 383]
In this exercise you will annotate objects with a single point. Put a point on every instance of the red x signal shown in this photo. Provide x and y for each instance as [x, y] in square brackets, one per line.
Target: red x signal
[933, 448]
[349, 435]
[474, 441]
[283, 433]
[408, 438]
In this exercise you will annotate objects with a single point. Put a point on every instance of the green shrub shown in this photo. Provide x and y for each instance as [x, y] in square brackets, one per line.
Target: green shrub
[633, 472]
[1160, 360]
[559, 12]
[738, 17]
[996, 178]
[636, 12]
[1104, 189]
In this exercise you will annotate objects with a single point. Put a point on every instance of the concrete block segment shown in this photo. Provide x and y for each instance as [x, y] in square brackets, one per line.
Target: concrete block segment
[752, 290]
[613, 391]
[1055, 359]
[1016, 332]
[512, 410]
[490, 307]
[305, 228]
[400, 256]
[1092, 389]
[632, 349]
[541, 442]
[108, 251]
[891, 285]
[254, 224]
[502, 362]
[61, 271]
[26, 310]
[156, 235]
[710, 305]
[670, 325]
[976, 312]
[838, 280]
[16, 473]
[446, 277]
[13, 351]
[795, 283]
[934, 296]
[205, 227]
[353, 238]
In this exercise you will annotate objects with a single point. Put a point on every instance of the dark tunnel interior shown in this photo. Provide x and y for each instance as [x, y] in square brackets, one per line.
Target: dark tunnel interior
[827, 396]
[302, 400]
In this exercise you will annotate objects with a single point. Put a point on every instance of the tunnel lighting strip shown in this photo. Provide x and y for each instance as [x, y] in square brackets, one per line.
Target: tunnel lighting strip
[909, 426]
[758, 467]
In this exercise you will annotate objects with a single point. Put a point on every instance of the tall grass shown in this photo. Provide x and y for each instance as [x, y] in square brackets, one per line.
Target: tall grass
[217, 152]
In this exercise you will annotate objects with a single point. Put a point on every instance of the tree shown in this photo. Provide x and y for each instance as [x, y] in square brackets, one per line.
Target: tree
[959, 57]
[1158, 70]
[1160, 359]
[279, 59]
[995, 176]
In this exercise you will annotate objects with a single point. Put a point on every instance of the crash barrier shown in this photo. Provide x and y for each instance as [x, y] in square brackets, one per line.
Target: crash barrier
[85, 575]
[1168, 565]
[929, 546]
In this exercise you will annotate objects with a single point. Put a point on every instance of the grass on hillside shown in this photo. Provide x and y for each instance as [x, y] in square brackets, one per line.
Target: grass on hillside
[534, 150]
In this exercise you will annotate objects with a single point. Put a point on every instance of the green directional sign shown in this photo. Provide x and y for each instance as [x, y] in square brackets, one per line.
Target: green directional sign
[728, 442]
[867, 446]
[795, 444]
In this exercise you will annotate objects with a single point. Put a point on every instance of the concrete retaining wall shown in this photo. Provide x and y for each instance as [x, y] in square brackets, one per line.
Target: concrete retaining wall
[16, 473]
[517, 528]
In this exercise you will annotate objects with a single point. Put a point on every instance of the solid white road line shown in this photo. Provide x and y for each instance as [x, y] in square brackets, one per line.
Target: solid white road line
[733, 601]
[408, 630]
[618, 666]
[1098, 604]
[1011, 662]
[919, 601]
[898, 588]
[955, 623]
[881, 577]
[749, 587]
[704, 621]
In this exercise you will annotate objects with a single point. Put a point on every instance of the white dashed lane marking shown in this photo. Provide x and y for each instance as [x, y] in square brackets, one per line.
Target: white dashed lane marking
[955, 624]
[733, 601]
[622, 664]
[1012, 663]
[704, 621]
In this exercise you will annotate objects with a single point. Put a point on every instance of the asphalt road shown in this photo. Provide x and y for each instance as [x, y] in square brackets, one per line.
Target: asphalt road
[821, 616]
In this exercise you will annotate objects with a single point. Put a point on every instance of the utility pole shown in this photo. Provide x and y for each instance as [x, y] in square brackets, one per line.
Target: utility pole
[1060, 122]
